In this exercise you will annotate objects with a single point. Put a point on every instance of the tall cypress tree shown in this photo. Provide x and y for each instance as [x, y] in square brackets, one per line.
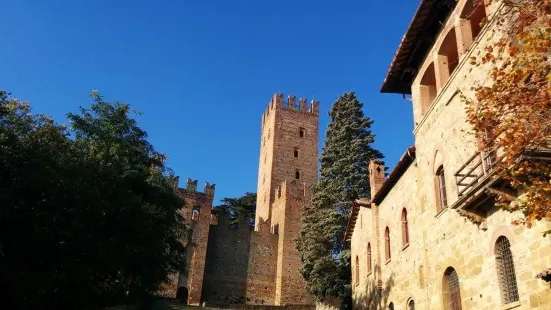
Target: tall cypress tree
[344, 177]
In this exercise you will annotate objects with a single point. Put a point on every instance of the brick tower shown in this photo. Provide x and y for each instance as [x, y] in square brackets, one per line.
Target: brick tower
[287, 169]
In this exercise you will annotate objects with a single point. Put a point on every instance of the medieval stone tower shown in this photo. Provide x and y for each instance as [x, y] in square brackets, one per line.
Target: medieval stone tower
[287, 169]
[238, 265]
[288, 149]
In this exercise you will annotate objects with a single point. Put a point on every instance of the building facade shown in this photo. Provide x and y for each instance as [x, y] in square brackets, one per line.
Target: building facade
[240, 265]
[431, 236]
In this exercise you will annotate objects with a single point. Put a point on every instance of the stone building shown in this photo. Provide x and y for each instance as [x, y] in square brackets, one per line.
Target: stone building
[257, 266]
[431, 236]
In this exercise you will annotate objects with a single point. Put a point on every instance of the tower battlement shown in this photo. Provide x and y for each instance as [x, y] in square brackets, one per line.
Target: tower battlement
[191, 187]
[278, 102]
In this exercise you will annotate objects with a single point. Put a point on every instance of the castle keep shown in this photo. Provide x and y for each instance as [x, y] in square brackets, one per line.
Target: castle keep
[261, 265]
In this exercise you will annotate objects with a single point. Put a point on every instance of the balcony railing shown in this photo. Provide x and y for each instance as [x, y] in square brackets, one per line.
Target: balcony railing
[475, 171]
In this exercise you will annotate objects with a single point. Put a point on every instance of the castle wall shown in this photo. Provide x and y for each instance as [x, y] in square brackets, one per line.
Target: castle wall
[225, 278]
[196, 213]
[261, 269]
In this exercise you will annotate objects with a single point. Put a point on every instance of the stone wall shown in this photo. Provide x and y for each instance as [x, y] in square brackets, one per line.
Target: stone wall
[444, 240]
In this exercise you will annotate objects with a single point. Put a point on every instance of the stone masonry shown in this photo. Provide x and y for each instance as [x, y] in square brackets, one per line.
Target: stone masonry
[415, 245]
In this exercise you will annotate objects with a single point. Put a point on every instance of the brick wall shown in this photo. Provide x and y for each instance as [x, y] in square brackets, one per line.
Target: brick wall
[226, 264]
[261, 269]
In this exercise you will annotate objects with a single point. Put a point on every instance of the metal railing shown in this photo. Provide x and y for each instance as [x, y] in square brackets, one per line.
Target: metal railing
[474, 170]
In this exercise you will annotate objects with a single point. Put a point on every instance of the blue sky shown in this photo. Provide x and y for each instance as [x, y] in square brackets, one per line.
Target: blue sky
[202, 72]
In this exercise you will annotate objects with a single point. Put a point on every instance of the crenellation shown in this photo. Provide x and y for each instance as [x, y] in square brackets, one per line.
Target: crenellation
[191, 185]
[303, 104]
[291, 102]
[209, 189]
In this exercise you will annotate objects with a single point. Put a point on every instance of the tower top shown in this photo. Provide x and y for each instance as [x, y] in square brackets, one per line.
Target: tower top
[278, 102]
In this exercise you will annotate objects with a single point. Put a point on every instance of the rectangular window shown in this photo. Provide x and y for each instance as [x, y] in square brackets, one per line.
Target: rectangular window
[297, 174]
[301, 132]
[296, 152]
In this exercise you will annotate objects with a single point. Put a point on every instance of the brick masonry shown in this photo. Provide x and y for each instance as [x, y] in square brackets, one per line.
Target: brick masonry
[260, 266]
[440, 240]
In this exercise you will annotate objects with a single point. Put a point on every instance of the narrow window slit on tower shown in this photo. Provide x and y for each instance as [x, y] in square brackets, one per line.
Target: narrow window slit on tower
[301, 132]
[296, 152]
[297, 174]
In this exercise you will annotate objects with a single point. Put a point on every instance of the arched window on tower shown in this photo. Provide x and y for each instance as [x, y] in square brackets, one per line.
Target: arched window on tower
[405, 228]
[387, 243]
[506, 271]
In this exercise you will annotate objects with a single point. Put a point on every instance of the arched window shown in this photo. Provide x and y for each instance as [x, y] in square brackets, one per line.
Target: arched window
[405, 228]
[391, 306]
[357, 272]
[475, 13]
[387, 244]
[449, 55]
[451, 290]
[506, 271]
[428, 89]
[369, 267]
[195, 213]
[442, 199]
[411, 305]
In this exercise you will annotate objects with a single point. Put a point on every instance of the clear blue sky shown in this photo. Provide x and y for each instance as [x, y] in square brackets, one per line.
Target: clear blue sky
[202, 72]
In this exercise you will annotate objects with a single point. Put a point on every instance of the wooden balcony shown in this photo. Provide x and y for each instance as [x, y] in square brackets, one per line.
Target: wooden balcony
[478, 182]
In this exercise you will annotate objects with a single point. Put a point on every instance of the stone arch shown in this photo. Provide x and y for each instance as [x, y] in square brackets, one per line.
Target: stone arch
[475, 12]
[448, 56]
[498, 232]
[441, 268]
[410, 304]
[427, 88]
[182, 295]
[451, 290]
[438, 158]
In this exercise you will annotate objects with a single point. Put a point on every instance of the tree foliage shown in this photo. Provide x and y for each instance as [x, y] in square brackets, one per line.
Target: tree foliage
[512, 111]
[344, 177]
[243, 207]
[88, 213]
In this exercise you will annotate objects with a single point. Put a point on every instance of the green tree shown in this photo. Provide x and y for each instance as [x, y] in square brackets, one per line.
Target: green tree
[235, 208]
[344, 177]
[88, 213]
